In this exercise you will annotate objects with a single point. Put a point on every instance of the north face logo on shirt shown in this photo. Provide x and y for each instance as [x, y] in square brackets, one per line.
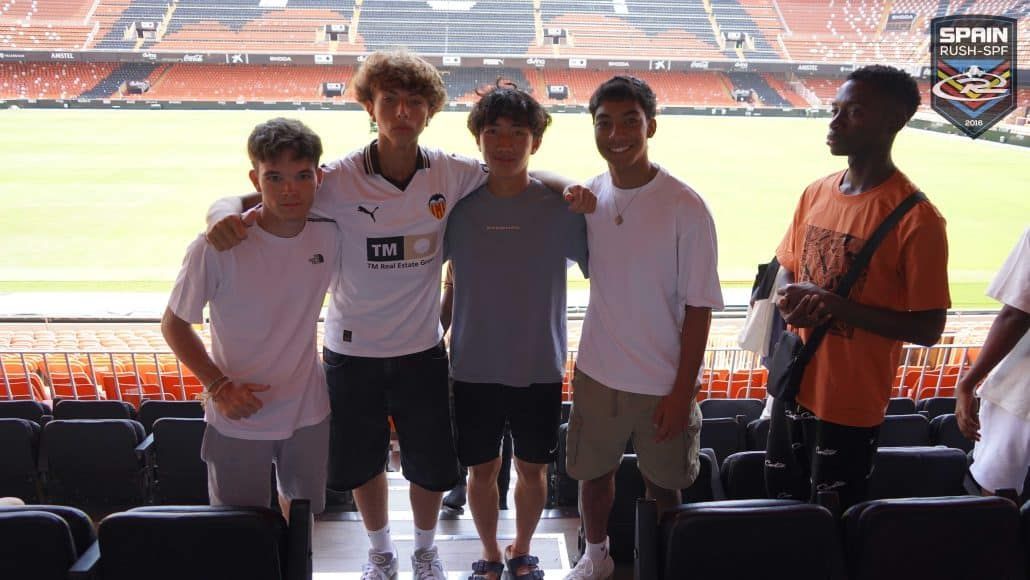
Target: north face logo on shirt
[316, 259]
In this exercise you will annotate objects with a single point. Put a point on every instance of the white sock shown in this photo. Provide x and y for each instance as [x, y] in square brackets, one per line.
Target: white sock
[380, 540]
[424, 538]
[597, 552]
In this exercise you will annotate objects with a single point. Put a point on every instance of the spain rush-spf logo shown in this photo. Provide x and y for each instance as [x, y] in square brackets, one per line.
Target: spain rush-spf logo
[974, 70]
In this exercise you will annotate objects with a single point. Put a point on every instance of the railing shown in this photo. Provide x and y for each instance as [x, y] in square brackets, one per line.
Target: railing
[135, 375]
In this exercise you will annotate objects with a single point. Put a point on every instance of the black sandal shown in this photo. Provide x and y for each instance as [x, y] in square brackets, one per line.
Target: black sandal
[480, 569]
[524, 561]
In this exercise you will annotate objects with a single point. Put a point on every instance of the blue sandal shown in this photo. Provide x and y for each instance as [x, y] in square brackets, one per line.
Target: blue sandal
[526, 561]
[480, 569]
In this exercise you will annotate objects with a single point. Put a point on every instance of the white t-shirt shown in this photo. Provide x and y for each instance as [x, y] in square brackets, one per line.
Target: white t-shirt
[1008, 386]
[265, 295]
[643, 274]
[387, 300]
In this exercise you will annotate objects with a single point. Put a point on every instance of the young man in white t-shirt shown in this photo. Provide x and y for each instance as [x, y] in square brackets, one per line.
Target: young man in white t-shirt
[1001, 457]
[384, 352]
[267, 400]
[653, 285]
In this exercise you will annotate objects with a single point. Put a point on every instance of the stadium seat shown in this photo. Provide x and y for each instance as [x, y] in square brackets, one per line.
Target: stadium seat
[904, 538]
[757, 434]
[901, 406]
[743, 475]
[944, 431]
[725, 435]
[150, 411]
[75, 409]
[94, 464]
[42, 542]
[19, 450]
[935, 406]
[745, 539]
[1024, 515]
[904, 431]
[708, 484]
[175, 542]
[918, 472]
[34, 411]
[180, 475]
[750, 409]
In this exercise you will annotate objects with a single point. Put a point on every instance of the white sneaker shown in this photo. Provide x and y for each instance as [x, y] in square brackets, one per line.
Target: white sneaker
[380, 566]
[587, 569]
[426, 565]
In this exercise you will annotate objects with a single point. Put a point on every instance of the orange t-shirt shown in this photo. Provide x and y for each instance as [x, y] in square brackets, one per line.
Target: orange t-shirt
[849, 379]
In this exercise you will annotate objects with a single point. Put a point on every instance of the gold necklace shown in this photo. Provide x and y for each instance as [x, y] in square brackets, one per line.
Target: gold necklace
[618, 212]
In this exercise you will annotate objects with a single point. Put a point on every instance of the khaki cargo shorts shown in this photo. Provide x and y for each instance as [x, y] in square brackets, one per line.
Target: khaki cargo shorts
[603, 420]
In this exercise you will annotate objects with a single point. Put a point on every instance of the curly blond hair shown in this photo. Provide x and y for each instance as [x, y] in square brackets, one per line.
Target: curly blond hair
[399, 69]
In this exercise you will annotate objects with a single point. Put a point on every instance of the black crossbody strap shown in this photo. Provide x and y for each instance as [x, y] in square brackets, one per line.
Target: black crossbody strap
[860, 264]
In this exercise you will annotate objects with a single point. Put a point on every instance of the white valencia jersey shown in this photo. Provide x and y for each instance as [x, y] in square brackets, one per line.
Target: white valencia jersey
[387, 299]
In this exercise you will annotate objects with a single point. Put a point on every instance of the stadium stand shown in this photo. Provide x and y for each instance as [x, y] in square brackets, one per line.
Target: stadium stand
[19, 476]
[117, 20]
[486, 27]
[115, 81]
[666, 29]
[49, 80]
[232, 25]
[249, 82]
[732, 16]
[765, 95]
[462, 83]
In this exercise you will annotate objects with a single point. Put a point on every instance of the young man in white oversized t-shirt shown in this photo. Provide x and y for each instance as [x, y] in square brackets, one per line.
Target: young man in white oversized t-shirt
[383, 340]
[653, 285]
[267, 400]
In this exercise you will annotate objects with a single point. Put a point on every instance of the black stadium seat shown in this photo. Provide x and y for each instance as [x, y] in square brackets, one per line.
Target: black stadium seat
[746, 539]
[751, 409]
[901, 406]
[725, 435]
[203, 542]
[86, 409]
[904, 431]
[152, 410]
[34, 411]
[180, 475]
[94, 464]
[19, 452]
[917, 472]
[757, 434]
[935, 406]
[42, 542]
[743, 475]
[944, 431]
[942, 538]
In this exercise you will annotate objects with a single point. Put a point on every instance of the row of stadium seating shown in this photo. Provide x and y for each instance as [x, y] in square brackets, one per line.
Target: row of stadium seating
[795, 30]
[190, 82]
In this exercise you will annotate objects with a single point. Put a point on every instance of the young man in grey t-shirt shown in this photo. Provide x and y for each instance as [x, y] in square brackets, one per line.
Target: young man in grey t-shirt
[509, 243]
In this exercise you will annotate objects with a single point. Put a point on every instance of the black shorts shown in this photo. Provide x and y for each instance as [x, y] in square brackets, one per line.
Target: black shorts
[412, 389]
[533, 413]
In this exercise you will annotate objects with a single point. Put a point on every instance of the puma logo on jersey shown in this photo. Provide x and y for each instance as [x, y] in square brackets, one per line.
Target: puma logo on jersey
[371, 214]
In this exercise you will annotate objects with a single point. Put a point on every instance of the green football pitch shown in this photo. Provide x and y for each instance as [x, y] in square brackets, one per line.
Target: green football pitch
[108, 200]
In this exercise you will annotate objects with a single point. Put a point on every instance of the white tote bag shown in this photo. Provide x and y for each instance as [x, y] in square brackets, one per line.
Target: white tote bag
[754, 336]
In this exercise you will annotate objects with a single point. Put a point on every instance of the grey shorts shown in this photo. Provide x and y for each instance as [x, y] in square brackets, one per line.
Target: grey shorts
[604, 419]
[238, 470]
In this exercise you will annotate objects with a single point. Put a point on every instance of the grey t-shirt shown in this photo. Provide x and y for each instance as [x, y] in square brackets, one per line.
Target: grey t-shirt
[510, 258]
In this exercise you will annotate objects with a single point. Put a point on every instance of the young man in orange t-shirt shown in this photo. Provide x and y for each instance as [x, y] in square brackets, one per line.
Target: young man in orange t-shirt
[901, 297]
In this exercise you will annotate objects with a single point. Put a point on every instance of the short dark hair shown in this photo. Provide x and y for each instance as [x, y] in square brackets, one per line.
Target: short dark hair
[625, 88]
[510, 102]
[896, 84]
[271, 138]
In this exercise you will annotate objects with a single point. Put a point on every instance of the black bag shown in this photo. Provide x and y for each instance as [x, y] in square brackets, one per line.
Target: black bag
[791, 355]
[785, 368]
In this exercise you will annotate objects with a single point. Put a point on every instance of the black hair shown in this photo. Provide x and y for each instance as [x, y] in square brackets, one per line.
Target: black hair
[625, 88]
